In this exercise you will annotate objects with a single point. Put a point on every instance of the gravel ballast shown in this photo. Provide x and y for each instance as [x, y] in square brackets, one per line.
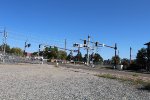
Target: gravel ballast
[46, 82]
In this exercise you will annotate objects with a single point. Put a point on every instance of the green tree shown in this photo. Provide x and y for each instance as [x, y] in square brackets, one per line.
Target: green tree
[85, 58]
[62, 55]
[117, 58]
[78, 57]
[51, 53]
[125, 62]
[7, 48]
[16, 51]
[141, 57]
[35, 54]
[70, 56]
[97, 58]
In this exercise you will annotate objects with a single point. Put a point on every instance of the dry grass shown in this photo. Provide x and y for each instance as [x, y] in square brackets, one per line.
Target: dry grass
[133, 81]
[135, 75]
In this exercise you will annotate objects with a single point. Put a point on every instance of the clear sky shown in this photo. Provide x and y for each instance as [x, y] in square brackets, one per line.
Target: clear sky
[125, 22]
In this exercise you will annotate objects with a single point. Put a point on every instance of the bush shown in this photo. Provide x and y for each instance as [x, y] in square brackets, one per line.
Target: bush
[125, 62]
[133, 66]
[147, 86]
[117, 59]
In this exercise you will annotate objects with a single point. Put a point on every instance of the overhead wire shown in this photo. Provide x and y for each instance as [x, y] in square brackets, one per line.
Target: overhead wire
[39, 41]
[20, 37]
[32, 37]
[34, 40]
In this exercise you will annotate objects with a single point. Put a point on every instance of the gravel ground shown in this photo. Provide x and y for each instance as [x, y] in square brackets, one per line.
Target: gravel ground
[45, 82]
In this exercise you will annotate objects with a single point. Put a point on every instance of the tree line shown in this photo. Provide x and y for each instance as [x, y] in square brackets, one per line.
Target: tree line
[53, 53]
[15, 50]
[140, 62]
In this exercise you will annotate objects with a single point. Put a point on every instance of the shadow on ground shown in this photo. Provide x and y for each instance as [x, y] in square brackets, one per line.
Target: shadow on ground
[145, 87]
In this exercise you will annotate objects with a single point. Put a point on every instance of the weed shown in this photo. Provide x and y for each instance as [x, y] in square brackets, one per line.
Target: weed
[107, 76]
[136, 75]
[134, 81]
[147, 86]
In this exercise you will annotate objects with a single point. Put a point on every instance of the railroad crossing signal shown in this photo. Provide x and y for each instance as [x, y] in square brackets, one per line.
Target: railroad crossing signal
[76, 45]
[75, 50]
[84, 42]
[96, 44]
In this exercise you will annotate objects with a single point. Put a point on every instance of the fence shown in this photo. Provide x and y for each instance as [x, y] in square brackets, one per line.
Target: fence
[9, 58]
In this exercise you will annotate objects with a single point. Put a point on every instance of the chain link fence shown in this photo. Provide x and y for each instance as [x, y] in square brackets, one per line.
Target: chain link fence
[9, 58]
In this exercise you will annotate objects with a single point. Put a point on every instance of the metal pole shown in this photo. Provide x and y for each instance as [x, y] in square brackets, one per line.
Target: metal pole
[65, 44]
[130, 54]
[88, 50]
[78, 53]
[4, 43]
[71, 53]
[148, 56]
[25, 48]
[115, 55]
[39, 50]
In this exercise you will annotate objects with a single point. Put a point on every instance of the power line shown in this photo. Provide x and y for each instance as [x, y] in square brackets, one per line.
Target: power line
[24, 37]
[33, 40]
[32, 37]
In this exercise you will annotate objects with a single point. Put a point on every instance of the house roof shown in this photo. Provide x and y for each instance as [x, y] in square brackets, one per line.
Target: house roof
[147, 43]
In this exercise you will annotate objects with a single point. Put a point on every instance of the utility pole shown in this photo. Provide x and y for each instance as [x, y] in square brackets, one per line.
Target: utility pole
[118, 52]
[88, 47]
[78, 52]
[115, 55]
[65, 44]
[2, 40]
[4, 43]
[25, 45]
[130, 54]
[97, 44]
[39, 50]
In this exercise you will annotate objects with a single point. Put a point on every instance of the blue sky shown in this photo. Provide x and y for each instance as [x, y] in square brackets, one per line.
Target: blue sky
[125, 22]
